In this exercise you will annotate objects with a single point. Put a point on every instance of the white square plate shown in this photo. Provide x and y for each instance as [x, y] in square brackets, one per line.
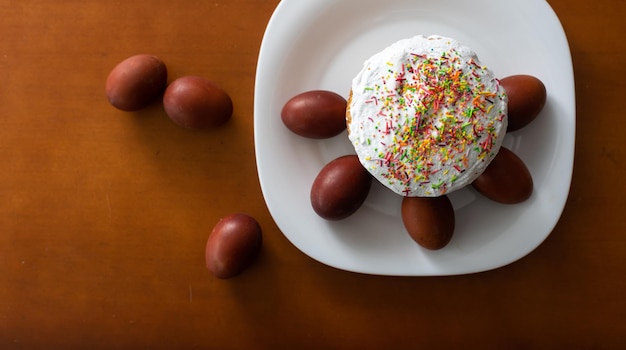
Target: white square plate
[321, 44]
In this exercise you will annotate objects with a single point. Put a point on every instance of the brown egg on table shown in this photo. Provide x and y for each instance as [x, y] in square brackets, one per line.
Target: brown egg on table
[315, 114]
[340, 188]
[197, 103]
[233, 244]
[527, 97]
[429, 220]
[136, 82]
[506, 180]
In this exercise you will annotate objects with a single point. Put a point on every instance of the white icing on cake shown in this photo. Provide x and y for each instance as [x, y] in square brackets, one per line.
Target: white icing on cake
[425, 117]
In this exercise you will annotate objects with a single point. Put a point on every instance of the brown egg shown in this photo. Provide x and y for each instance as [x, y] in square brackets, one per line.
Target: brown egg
[506, 180]
[233, 245]
[197, 103]
[136, 82]
[527, 96]
[429, 220]
[340, 188]
[315, 114]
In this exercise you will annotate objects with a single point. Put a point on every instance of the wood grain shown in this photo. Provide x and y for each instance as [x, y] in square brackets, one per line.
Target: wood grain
[104, 214]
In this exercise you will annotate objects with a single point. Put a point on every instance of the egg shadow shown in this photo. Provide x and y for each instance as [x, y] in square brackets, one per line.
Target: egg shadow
[537, 142]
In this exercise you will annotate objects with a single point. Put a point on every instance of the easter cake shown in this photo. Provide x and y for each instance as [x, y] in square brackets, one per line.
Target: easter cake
[425, 116]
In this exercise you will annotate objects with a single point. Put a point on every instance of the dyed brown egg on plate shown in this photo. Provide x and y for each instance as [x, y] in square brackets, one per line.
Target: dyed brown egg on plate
[506, 180]
[316, 114]
[429, 220]
[527, 97]
[340, 188]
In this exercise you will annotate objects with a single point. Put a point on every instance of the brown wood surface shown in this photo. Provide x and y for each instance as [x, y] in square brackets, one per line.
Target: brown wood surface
[104, 214]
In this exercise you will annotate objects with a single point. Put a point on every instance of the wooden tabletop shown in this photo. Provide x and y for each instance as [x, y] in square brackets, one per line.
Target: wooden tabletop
[104, 214]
